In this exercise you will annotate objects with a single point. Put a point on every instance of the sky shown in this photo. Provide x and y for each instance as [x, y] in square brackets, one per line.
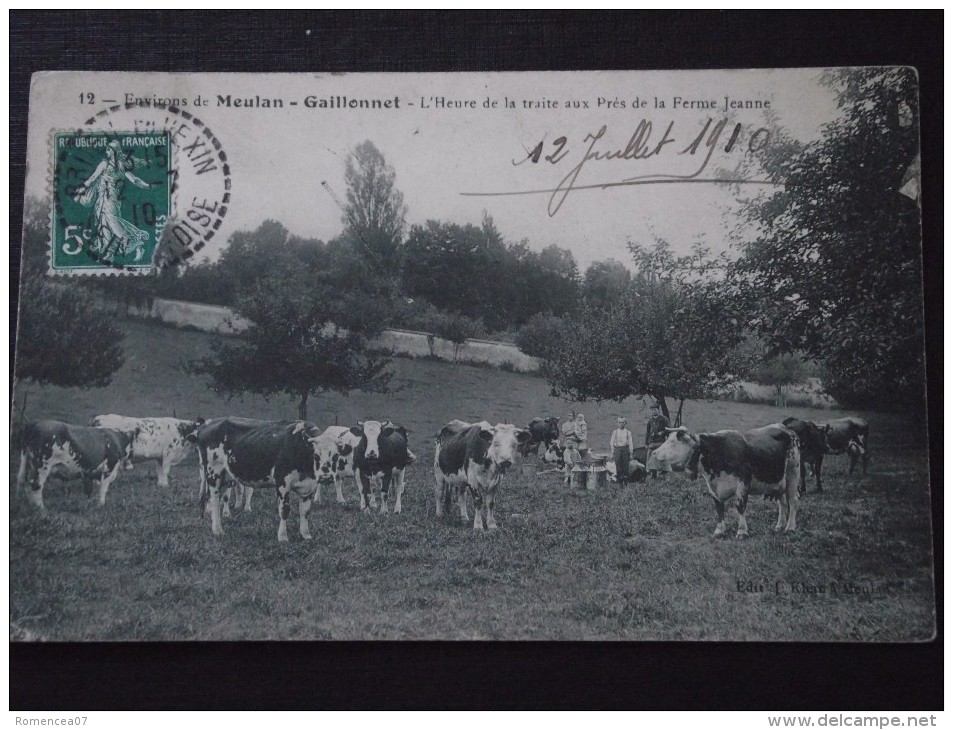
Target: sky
[279, 159]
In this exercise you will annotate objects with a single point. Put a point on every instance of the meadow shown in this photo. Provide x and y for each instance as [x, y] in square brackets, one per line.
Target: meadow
[634, 564]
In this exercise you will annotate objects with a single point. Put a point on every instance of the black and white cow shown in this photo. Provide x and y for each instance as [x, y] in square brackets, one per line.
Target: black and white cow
[163, 440]
[848, 435]
[472, 458]
[54, 448]
[542, 431]
[763, 460]
[281, 453]
[336, 453]
[813, 442]
[382, 453]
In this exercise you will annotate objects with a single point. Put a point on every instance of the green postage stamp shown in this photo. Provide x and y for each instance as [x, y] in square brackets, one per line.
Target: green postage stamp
[112, 193]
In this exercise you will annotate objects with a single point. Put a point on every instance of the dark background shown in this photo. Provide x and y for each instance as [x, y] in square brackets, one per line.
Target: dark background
[336, 675]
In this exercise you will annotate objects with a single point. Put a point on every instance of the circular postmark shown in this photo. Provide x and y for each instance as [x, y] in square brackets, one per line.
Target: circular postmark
[140, 187]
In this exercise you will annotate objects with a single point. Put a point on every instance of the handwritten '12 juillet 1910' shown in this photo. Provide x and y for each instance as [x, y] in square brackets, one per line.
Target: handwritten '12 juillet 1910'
[644, 143]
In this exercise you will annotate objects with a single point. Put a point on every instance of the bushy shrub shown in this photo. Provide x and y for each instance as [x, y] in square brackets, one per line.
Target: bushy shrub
[539, 337]
[65, 337]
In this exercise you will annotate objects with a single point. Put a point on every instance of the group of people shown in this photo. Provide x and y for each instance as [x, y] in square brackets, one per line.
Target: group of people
[575, 433]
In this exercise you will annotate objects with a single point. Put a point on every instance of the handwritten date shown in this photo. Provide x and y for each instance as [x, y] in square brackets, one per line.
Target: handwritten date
[646, 141]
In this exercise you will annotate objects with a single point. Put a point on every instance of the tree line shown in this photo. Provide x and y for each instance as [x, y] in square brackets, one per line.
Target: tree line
[831, 277]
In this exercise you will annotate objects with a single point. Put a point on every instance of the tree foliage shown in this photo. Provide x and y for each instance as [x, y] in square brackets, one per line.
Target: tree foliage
[672, 333]
[35, 250]
[836, 268]
[541, 336]
[471, 270]
[65, 337]
[605, 281]
[375, 212]
[293, 346]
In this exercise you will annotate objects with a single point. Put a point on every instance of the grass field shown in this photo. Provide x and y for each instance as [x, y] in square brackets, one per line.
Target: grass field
[632, 565]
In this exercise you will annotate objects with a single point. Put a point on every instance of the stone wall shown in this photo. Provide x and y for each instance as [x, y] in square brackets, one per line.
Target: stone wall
[210, 318]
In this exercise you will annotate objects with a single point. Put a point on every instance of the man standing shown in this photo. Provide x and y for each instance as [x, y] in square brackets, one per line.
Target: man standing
[620, 444]
[655, 435]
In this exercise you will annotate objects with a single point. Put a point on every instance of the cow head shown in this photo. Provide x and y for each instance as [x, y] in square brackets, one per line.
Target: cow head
[370, 430]
[503, 443]
[328, 451]
[678, 449]
[188, 429]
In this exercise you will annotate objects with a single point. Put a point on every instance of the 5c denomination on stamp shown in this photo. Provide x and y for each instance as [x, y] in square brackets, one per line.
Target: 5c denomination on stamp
[141, 187]
[112, 200]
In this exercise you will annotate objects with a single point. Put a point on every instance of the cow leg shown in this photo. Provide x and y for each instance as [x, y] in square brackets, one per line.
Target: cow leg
[360, 490]
[782, 513]
[441, 495]
[791, 512]
[790, 500]
[742, 522]
[337, 488]
[28, 478]
[462, 502]
[163, 466]
[372, 499]
[304, 506]
[385, 489]
[106, 480]
[490, 498]
[227, 496]
[398, 490]
[284, 510]
[215, 502]
[866, 451]
[366, 492]
[803, 486]
[477, 511]
[249, 493]
[720, 528]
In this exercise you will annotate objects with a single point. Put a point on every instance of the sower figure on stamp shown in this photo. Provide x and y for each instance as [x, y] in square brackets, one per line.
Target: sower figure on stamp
[621, 446]
[103, 190]
[655, 435]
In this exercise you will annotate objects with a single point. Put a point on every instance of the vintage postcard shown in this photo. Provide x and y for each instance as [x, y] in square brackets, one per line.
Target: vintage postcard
[625, 356]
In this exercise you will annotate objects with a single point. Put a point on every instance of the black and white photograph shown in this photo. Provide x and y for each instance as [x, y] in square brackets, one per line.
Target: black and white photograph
[624, 356]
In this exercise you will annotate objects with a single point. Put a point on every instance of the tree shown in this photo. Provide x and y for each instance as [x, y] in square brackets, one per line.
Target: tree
[292, 346]
[35, 250]
[669, 335]
[835, 270]
[457, 328]
[472, 271]
[605, 281]
[65, 337]
[540, 336]
[375, 212]
[779, 371]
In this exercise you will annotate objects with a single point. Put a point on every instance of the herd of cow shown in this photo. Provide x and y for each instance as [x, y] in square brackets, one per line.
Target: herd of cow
[469, 463]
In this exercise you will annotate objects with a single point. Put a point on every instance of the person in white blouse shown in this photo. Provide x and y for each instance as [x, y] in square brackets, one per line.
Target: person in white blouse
[620, 444]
